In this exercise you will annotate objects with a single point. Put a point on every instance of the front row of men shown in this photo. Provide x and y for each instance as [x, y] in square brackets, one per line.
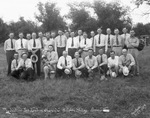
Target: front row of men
[65, 65]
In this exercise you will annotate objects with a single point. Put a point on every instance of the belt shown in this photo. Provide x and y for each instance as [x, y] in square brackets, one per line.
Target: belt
[22, 49]
[100, 46]
[132, 48]
[109, 46]
[117, 46]
[60, 47]
[10, 50]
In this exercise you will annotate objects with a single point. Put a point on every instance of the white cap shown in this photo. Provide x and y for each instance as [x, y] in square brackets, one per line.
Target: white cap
[113, 74]
[125, 71]
[67, 71]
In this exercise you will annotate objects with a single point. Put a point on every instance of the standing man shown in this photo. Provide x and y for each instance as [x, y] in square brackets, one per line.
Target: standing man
[85, 45]
[72, 45]
[41, 38]
[99, 41]
[113, 64]
[102, 63]
[79, 38]
[108, 44]
[125, 35]
[117, 43]
[126, 60]
[34, 46]
[78, 65]
[64, 64]
[60, 43]
[21, 45]
[48, 41]
[50, 62]
[132, 43]
[28, 36]
[93, 40]
[9, 48]
[91, 64]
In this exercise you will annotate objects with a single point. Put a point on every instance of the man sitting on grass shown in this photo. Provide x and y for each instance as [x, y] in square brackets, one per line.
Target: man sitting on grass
[126, 63]
[64, 64]
[50, 62]
[14, 65]
[24, 69]
[102, 63]
[113, 64]
[91, 64]
[78, 65]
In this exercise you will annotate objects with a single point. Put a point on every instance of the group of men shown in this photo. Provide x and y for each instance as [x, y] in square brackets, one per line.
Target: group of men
[73, 55]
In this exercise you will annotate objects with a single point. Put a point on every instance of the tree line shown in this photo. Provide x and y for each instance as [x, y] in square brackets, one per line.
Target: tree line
[106, 15]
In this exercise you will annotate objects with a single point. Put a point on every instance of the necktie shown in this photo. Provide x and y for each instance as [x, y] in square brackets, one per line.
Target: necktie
[79, 38]
[12, 44]
[16, 63]
[93, 42]
[85, 41]
[72, 44]
[124, 37]
[21, 44]
[117, 41]
[60, 41]
[99, 41]
[108, 39]
[24, 63]
[65, 61]
[42, 43]
[101, 58]
[77, 63]
[34, 43]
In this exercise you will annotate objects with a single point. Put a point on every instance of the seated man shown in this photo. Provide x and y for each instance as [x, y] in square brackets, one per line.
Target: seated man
[78, 65]
[102, 63]
[14, 65]
[113, 64]
[64, 64]
[50, 61]
[126, 60]
[25, 67]
[91, 64]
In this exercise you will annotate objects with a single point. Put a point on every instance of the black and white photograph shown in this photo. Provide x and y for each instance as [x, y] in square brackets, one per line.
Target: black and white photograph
[75, 59]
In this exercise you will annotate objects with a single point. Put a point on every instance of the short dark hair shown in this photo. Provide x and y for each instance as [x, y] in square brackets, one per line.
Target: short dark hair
[90, 49]
[112, 51]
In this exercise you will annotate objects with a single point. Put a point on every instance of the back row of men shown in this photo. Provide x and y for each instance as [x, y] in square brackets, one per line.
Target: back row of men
[81, 43]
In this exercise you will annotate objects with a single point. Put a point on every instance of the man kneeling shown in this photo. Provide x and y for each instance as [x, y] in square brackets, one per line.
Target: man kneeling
[126, 63]
[64, 64]
[50, 60]
[78, 65]
[24, 69]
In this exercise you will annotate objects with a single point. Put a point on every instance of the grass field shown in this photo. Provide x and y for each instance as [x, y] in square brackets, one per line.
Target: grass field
[69, 98]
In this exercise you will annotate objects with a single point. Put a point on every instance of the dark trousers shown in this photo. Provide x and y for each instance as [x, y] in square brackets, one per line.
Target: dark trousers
[9, 57]
[60, 51]
[98, 48]
[71, 51]
[23, 74]
[38, 63]
[108, 52]
[29, 54]
[84, 72]
[103, 69]
[91, 74]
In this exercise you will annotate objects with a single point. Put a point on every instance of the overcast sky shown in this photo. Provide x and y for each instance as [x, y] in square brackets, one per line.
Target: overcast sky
[11, 10]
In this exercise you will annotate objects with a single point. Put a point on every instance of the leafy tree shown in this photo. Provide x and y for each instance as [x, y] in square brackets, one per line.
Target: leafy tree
[50, 17]
[3, 31]
[111, 15]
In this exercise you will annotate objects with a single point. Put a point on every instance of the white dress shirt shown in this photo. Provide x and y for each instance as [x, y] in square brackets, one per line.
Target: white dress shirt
[18, 44]
[125, 36]
[79, 38]
[60, 41]
[102, 40]
[7, 44]
[120, 40]
[61, 62]
[93, 43]
[106, 43]
[27, 63]
[31, 42]
[91, 62]
[14, 64]
[86, 45]
[112, 62]
[46, 43]
[75, 43]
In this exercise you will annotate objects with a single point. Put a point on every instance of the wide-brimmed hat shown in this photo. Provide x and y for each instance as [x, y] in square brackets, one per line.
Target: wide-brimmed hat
[78, 73]
[125, 71]
[67, 71]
